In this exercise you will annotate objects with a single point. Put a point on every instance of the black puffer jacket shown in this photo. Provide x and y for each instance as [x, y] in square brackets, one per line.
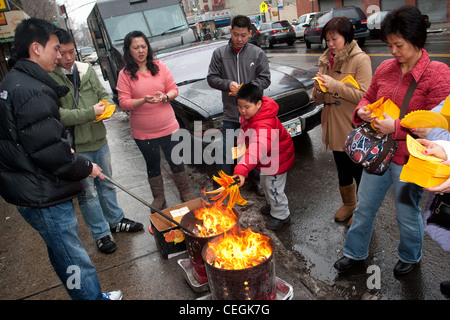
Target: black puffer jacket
[37, 167]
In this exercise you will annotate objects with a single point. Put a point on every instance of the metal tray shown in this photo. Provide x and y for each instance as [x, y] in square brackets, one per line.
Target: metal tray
[186, 266]
[284, 291]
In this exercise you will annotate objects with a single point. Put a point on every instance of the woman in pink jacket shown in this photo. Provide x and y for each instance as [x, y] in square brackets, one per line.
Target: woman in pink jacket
[405, 33]
[146, 86]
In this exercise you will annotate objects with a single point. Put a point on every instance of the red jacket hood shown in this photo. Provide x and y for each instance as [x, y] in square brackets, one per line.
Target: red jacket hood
[269, 146]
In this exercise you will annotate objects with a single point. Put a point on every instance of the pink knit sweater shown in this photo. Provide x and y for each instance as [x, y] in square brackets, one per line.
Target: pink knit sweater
[148, 121]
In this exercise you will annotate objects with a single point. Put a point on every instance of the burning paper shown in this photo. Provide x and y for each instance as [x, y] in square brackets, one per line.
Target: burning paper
[228, 188]
[239, 249]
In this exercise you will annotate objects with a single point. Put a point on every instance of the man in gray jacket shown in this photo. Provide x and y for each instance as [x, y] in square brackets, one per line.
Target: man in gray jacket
[232, 65]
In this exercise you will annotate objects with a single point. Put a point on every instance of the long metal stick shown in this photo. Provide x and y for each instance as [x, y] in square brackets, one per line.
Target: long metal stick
[148, 205]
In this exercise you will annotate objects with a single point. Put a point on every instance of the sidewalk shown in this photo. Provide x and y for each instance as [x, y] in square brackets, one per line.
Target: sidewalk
[136, 267]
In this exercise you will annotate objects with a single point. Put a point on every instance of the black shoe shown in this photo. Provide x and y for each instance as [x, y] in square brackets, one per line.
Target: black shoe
[402, 268]
[106, 244]
[127, 225]
[344, 264]
[445, 288]
[276, 224]
[265, 209]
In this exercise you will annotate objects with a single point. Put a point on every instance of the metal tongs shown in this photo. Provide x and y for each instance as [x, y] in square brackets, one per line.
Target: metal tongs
[149, 205]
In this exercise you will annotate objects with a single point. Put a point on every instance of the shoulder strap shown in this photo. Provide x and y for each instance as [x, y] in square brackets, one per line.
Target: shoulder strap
[76, 83]
[408, 97]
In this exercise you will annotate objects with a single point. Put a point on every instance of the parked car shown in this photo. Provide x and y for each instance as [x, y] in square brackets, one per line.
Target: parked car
[85, 52]
[374, 23]
[301, 23]
[359, 20]
[275, 32]
[427, 20]
[254, 36]
[92, 58]
[290, 87]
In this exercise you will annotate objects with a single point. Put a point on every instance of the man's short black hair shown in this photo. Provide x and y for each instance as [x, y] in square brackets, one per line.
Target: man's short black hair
[31, 30]
[249, 92]
[64, 36]
[407, 22]
[241, 21]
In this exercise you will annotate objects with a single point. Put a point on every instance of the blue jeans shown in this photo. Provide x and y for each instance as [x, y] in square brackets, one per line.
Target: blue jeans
[99, 204]
[371, 193]
[58, 226]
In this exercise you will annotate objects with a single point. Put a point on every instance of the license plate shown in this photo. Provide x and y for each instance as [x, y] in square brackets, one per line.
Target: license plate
[293, 126]
[285, 30]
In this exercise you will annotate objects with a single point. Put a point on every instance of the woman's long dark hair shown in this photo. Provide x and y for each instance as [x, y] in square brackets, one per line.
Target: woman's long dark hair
[131, 67]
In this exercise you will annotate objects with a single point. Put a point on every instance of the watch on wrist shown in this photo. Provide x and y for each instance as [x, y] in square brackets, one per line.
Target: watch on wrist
[167, 98]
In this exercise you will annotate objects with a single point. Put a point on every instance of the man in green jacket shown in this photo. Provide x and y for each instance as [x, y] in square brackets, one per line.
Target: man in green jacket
[79, 108]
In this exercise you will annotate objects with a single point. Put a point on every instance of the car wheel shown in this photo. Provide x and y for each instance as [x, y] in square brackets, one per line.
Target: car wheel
[268, 43]
[308, 44]
[290, 42]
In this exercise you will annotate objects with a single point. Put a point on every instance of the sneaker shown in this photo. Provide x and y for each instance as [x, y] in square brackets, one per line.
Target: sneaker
[127, 225]
[113, 295]
[265, 209]
[106, 244]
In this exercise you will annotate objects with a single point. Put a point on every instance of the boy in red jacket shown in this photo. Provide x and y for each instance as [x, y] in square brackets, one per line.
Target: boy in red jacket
[268, 148]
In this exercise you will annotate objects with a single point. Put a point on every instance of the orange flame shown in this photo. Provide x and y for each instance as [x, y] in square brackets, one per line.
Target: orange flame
[216, 219]
[228, 188]
[239, 249]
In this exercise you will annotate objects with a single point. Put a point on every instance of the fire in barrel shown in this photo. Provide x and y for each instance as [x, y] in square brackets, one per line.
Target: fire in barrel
[240, 266]
[210, 221]
[205, 223]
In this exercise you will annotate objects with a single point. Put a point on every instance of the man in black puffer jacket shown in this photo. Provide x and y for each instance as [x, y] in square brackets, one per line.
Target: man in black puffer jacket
[39, 173]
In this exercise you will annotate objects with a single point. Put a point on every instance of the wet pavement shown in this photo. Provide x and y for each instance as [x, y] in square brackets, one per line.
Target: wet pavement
[305, 250]
[136, 267]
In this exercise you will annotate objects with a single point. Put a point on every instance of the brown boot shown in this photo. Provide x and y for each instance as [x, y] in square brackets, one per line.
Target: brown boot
[157, 187]
[348, 195]
[182, 183]
[349, 223]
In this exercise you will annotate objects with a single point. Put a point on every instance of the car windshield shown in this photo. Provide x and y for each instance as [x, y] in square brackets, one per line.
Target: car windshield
[152, 23]
[321, 19]
[280, 24]
[349, 13]
[190, 64]
[86, 51]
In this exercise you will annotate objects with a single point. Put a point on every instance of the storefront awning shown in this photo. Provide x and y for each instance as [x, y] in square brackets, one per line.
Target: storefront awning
[12, 18]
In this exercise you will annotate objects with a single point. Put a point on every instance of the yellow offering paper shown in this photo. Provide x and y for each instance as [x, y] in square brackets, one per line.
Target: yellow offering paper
[424, 119]
[351, 80]
[323, 88]
[108, 112]
[424, 170]
[381, 106]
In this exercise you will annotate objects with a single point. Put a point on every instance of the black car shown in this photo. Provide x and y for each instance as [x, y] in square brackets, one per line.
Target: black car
[275, 32]
[359, 20]
[199, 108]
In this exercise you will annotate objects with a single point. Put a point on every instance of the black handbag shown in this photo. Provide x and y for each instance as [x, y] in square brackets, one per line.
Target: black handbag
[440, 211]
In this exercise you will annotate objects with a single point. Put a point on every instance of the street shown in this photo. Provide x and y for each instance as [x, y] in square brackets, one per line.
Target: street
[307, 247]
